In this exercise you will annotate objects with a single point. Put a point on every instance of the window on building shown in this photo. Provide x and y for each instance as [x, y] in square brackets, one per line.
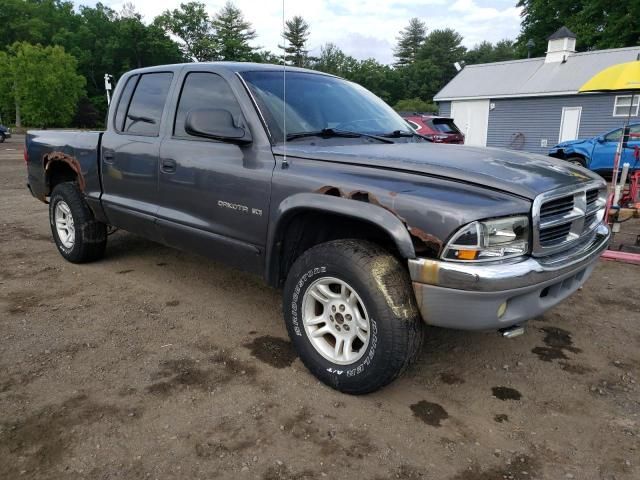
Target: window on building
[147, 104]
[622, 105]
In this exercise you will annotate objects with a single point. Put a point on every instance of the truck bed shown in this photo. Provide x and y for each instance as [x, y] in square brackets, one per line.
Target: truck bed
[77, 149]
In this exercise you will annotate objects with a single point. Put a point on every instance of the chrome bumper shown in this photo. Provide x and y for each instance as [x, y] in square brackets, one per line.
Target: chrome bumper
[469, 296]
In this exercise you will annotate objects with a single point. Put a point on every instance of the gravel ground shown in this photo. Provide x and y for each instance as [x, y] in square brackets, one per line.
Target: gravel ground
[154, 363]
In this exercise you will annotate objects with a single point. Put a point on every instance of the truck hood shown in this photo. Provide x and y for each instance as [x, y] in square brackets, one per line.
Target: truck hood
[519, 173]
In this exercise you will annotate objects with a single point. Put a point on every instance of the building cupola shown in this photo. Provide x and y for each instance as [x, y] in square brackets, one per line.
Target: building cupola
[561, 45]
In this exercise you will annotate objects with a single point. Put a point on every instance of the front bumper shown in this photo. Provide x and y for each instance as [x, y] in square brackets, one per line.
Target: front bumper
[468, 296]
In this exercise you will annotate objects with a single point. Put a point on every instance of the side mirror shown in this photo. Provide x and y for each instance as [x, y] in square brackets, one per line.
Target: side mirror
[600, 139]
[217, 124]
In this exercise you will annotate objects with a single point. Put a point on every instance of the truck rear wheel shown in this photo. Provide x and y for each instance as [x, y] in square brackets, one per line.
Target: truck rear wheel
[78, 235]
[351, 315]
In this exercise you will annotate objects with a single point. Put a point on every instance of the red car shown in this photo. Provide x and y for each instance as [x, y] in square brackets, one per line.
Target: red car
[437, 129]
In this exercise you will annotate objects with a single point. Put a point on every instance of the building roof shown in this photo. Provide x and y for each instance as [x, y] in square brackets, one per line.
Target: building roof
[562, 32]
[532, 77]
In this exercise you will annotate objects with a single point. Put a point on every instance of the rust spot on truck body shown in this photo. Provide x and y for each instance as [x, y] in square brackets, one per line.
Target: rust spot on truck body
[423, 242]
[428, 243]
[54, 157]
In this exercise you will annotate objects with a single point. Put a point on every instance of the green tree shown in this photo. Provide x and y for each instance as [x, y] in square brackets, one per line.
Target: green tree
[44, 84]
[415, 105]
[296, 35]
[333, 60]
[442, 48]
[598, 24]
[409, 42]
[233, 34]
[34, 21]
[487, 52]
[380, 79]
[422, 79]
[265, 56]
[192, 25]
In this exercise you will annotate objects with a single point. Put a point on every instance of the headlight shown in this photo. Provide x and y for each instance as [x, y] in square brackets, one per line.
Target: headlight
[489, 240]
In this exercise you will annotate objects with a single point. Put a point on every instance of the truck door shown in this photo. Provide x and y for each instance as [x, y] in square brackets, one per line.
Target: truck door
[214, 195]
[129, 154]
[604, 152]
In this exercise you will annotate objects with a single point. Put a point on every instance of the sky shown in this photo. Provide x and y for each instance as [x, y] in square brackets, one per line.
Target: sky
[361, 28]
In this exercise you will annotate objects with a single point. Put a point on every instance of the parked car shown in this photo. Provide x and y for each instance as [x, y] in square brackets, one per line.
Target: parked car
[5, 132]
[437, 129]
[598, 153]
[371, 231]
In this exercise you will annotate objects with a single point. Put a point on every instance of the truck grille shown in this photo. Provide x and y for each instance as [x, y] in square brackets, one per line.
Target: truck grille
[564, 217]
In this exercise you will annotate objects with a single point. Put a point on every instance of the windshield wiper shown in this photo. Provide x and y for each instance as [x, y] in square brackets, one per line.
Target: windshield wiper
[332, 133]
[401, 133]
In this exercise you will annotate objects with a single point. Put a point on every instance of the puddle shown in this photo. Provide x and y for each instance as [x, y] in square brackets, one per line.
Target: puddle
[576, 368]
[506, 393]
[451, 378]
[558, 341]
[277, 352]
[430, 413]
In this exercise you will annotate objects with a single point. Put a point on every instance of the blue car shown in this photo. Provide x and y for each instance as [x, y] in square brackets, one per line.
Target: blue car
[597, 153]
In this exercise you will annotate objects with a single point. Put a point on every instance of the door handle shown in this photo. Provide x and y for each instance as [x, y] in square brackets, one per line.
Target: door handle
[168, 166]
[107, 157]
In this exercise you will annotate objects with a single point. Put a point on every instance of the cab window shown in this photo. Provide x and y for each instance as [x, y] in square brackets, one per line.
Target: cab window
[203, 90]
[146, 107]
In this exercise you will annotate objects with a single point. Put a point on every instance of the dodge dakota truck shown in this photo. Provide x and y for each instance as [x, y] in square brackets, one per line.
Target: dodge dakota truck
[311, 181]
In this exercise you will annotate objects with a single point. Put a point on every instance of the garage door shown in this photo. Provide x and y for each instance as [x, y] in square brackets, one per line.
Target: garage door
[472, 118]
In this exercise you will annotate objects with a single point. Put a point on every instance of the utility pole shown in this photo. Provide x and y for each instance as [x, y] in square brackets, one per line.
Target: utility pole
[107, 86]
[530, 45]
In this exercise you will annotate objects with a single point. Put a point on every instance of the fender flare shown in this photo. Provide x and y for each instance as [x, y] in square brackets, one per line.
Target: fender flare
[61, 157]
[367, 212]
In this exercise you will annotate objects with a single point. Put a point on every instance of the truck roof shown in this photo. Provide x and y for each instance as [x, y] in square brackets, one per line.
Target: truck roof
[230, 66]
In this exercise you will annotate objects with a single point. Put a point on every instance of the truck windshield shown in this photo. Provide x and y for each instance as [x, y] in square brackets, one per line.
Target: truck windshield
[317, 102]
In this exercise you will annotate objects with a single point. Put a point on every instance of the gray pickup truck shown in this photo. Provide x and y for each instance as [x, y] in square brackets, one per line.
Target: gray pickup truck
[316, 184]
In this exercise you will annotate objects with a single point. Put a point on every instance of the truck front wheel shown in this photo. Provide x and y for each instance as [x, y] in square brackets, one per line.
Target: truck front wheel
[577, 161]
[351, 315]
[78, 235]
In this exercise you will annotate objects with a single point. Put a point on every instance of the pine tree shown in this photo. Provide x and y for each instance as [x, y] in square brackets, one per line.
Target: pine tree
[233, 34]
[296, 35]
[409, 42]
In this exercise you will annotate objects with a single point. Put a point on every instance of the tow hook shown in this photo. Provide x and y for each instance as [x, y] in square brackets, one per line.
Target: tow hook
[511, 332]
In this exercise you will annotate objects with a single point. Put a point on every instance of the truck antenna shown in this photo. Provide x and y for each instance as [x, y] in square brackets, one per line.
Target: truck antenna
[285, 164]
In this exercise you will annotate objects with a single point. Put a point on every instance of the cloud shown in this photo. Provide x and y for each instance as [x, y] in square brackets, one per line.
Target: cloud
[363, 28]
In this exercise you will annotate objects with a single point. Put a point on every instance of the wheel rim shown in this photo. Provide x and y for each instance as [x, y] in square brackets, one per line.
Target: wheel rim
[335, 320]
[64, 224]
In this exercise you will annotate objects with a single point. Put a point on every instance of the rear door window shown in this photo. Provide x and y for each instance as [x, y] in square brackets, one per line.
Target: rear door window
[204, 90]
[145, 111]
[123, 102]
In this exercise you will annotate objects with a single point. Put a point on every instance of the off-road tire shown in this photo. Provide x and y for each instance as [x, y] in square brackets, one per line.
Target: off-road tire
[383, 284]
[577, 161]
[90, 234]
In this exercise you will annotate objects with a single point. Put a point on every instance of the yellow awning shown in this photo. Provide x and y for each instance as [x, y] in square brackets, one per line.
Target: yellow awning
[618, 78]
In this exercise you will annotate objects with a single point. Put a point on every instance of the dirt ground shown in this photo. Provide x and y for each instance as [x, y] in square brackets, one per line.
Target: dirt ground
[154, 363]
